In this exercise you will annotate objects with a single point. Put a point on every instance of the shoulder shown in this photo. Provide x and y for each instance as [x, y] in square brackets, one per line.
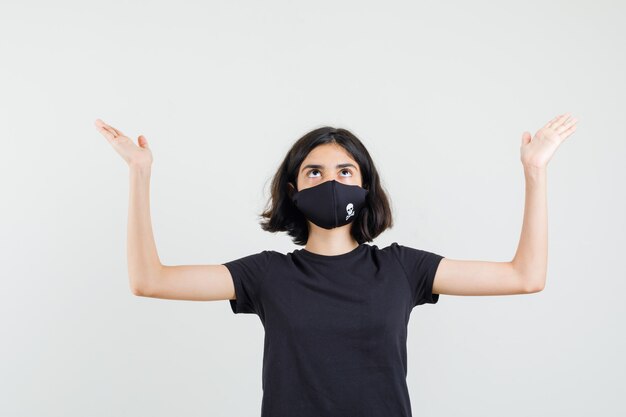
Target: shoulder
[256, 263]
[398, 248]
[391, 249]
[411, 255]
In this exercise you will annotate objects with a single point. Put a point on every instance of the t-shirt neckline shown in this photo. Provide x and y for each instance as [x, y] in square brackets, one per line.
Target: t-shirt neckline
[353, 252]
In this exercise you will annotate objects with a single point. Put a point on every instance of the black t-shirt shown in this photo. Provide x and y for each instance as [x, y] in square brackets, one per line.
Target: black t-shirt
[335, 327]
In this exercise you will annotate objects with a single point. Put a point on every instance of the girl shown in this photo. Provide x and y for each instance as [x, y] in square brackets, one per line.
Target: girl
[335, 312]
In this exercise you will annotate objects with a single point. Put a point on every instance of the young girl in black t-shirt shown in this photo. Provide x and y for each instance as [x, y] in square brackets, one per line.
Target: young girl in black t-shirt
[335, 312]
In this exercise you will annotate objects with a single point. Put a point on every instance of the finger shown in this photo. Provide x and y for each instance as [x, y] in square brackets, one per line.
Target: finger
[101, 125]
[566, 133]
[111, 129]
[566, 119]
[117, 132]
[569, 122]
[102, 128]
[141, 140]
[566, 125]
[552, 121]
[559, 120]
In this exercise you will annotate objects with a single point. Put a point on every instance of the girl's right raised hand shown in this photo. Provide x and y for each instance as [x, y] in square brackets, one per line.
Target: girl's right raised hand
[133, 155]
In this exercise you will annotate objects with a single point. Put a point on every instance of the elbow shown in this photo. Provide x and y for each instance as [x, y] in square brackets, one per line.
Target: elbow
[142, 284]
[535, 286]
[139, 289]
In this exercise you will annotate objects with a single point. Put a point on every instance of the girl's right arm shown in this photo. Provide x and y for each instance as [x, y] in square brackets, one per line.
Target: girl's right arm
[148, 276]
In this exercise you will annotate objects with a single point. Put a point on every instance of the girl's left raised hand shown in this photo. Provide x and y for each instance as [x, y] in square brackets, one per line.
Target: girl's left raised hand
[536, 152]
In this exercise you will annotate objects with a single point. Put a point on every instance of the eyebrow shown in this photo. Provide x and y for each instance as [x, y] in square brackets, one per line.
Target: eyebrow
[317, 166]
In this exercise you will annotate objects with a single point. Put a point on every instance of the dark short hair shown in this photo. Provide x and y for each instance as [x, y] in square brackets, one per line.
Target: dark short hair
[281, 215]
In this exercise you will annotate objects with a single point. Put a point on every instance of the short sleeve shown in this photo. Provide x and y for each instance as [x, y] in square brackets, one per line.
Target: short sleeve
[247, 274]
[420, 267]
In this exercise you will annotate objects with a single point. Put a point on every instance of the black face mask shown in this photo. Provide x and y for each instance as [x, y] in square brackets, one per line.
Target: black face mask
[330, 204]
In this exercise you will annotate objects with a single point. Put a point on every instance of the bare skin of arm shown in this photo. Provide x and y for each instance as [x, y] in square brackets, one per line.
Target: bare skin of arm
[526, 272]
[148, 277]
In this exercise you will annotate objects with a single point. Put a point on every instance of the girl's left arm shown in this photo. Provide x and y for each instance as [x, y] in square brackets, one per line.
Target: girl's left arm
[531, 258]
[526, 273]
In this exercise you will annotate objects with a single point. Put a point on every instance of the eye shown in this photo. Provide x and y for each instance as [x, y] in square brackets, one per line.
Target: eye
[317, 170]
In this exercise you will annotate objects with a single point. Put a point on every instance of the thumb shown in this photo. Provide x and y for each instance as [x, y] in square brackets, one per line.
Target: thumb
[526, 138]
[143, 142]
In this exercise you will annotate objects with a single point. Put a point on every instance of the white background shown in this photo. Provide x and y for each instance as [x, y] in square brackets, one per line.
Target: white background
[439, 92]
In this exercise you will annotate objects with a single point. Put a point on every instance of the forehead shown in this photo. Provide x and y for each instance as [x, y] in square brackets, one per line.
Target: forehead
[328, 153]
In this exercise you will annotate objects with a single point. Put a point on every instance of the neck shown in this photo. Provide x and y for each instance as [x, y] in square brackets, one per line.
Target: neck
[330, 242]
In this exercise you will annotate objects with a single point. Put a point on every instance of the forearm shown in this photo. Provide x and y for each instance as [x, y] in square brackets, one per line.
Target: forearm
[143, 260]
[531, 257]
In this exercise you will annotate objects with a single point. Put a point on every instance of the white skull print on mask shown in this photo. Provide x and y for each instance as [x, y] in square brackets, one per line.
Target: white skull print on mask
[350, 210]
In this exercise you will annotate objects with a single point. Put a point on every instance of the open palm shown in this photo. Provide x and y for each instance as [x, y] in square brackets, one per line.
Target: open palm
[123, 145]
[536, 152]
